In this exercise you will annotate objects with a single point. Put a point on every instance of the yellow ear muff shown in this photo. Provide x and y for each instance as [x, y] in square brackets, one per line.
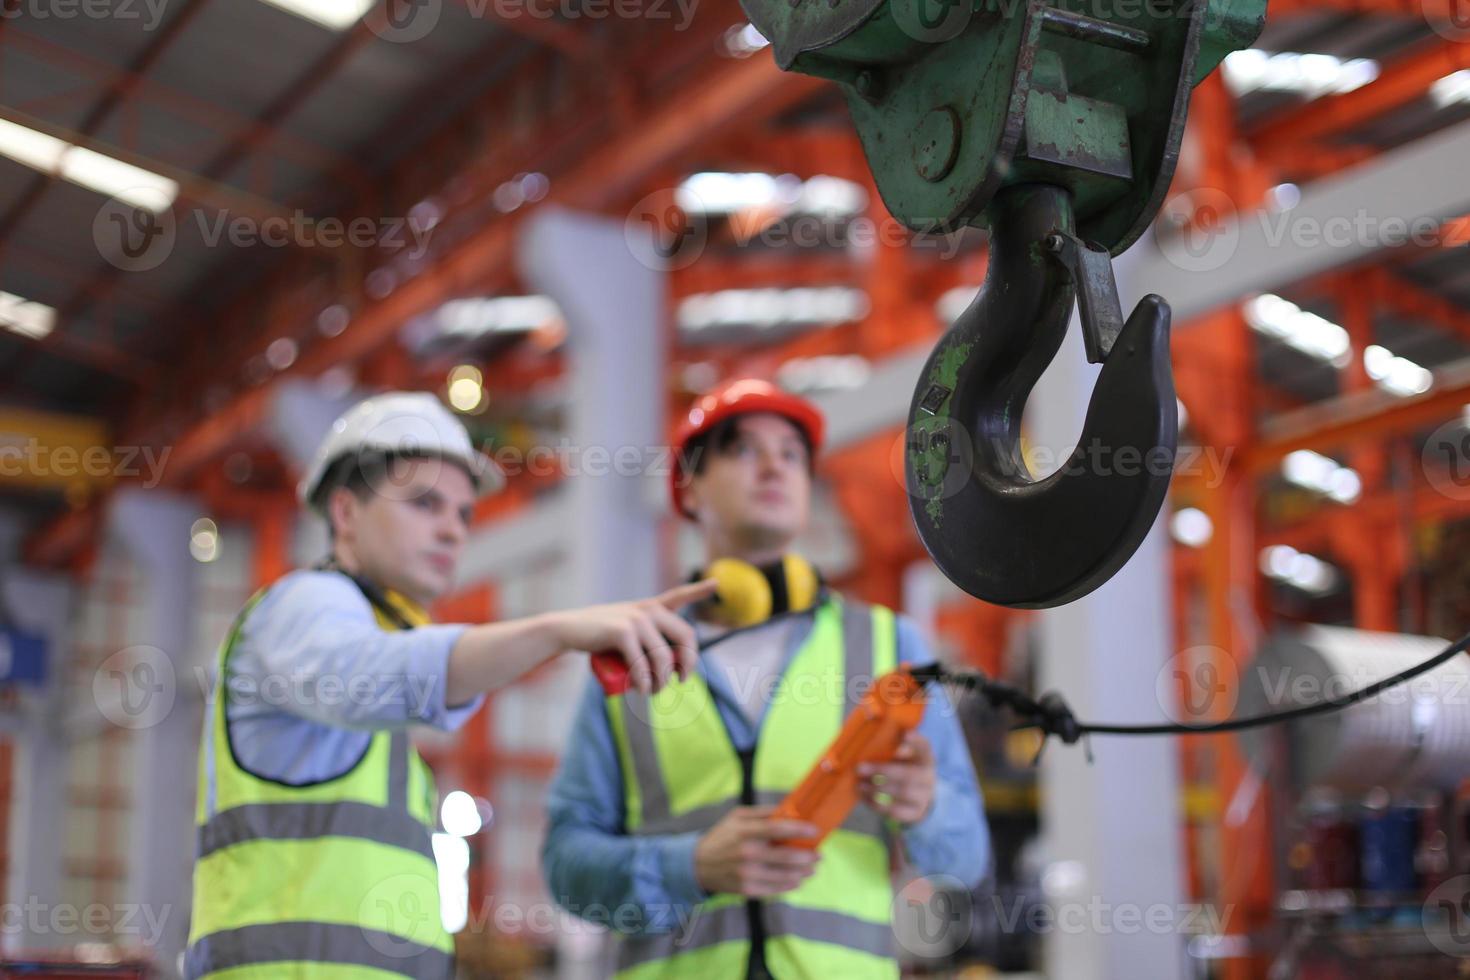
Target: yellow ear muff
[802, 583]
[742, 594]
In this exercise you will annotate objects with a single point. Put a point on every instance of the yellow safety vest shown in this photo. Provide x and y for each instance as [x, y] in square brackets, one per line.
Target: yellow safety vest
[681, 772]
[332, 880]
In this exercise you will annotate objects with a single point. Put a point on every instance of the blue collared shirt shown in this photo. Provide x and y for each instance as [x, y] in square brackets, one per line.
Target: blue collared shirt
[313, 675]
[647, 884]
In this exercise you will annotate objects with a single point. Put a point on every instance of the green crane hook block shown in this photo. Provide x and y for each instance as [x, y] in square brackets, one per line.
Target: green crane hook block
[1056, 124]
[955, 99]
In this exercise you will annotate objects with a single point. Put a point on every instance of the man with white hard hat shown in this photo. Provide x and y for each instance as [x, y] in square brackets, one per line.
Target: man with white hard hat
[315, 811]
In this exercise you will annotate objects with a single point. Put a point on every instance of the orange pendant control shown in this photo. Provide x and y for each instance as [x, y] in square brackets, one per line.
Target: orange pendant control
[890, 709]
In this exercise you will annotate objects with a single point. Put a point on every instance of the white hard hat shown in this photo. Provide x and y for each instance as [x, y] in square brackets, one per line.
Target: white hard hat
[413, 423]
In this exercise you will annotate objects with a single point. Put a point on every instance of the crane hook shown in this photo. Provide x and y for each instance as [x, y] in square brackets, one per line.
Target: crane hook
[1049, 541]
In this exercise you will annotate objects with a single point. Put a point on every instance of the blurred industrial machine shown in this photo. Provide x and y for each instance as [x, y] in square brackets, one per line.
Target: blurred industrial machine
[1372, 842]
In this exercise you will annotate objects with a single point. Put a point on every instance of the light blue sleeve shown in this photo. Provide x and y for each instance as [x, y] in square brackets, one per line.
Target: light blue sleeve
[953, 838]
[313, 648]
[593, 868]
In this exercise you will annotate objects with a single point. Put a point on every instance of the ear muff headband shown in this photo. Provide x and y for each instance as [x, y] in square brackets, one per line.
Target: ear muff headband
[746, 595]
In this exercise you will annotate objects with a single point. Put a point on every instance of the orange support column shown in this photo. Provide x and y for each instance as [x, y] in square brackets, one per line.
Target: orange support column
[1244, 874]
[1220, 364]
[1361, 543]
[273, 524]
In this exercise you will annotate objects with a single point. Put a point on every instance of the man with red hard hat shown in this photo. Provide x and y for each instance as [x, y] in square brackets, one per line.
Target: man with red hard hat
[660, 817]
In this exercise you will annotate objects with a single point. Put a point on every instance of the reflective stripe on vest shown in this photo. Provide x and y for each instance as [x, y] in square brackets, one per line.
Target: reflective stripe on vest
[681, 773]
[333, 880]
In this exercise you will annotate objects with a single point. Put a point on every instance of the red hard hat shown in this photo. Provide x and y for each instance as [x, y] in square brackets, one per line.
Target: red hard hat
[740, 397]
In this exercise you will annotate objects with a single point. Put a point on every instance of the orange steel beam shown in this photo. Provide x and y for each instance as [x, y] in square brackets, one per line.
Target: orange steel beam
[1311, 161]
[195, 110]
[1396, 294]
[112, 360]
[806, 153]
[573, 42]
[1403, 80]
[1216, 358]
[61, 539]
[249, 138]
[1356, 416]
[713, 273]
[460, 166]
[1325, 528]
[738, 87]
[273, 525]
[1454, 233]
[1375, 564]
[870, 494]
[732, 90]
[114, 96]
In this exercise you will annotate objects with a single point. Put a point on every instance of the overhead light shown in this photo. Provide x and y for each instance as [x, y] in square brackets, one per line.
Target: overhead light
[460, 814]
[770, 308]
[1452, 89]
[1307, 332]
[1298, 569]
[953, 302]
[1191, 527]
[1284, 197]
[742, 42]
[88, 168]
[129, 184]
[204, 540]
[337, 15]
[832, 372]
[1322, 474]
[487, 314]
[717, 192]
[466, 388]
[1397, 375]
[35, 149]
[25, 316]
[281, 353]
[1311, 75]
[452, 858]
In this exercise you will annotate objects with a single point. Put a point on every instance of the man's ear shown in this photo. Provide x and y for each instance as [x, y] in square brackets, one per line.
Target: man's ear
[342, 509]
[691, 495]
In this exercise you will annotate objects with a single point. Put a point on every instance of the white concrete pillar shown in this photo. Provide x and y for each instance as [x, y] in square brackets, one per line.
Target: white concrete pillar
[1110, 830]
[153, 526]
[37, 603]
[614, 309]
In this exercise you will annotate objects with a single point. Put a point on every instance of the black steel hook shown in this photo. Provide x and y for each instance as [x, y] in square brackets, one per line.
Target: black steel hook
[991, 528]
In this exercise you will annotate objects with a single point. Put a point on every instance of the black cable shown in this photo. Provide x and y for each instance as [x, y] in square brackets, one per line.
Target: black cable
[1052, 715]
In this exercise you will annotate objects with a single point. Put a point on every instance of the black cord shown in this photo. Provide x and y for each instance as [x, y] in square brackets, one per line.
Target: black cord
[1052, 715]
[369, 590]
